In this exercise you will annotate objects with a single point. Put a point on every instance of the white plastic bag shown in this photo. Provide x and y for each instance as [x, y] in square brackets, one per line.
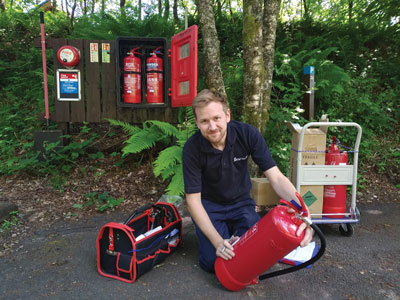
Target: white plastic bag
[175, 200]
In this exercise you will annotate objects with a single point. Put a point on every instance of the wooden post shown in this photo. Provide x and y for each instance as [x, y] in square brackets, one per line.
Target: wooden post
[92, 80]
[109, 96]
[308, 96]
[78, 107]
[61, 107]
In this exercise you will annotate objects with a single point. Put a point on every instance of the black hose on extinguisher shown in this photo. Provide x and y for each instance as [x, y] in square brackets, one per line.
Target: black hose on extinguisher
[305, 264]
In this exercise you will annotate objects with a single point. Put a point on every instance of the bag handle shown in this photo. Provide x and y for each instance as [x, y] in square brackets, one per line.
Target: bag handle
[140, 210]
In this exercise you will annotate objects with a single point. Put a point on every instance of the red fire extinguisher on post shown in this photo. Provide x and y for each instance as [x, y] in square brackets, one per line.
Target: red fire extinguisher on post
[264, 244]
[154, 78]
[335, 195]
[132, 77]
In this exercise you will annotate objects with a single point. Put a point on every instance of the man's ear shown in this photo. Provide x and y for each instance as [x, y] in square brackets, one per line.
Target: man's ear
[228, 115]
[195, 120]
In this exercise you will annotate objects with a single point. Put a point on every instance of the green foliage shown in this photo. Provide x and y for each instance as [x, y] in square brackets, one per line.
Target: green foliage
[10, 222]
[233, 79]
[168, 164]
[64, 158]
[55, 161]
[356, 57]
[352, 83]
[102, 201]
[108, 26]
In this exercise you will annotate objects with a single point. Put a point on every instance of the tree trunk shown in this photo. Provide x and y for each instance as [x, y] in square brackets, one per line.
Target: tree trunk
[306, 9]
[166, 9]
[122, 7]
[103, 6]
[350, 10]
[73, 13]
[219, 9]
[253, 65]
[175, 12]
[84, 8]
[2, 6]
[66, 7]
[54, 6]
[140, 10]
[159, 8]
[93, 6]
[229, 2]
[270, 21]
[211, 48]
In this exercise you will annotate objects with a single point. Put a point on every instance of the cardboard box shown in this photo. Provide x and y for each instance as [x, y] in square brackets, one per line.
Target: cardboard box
[262, 192]
[314, 145]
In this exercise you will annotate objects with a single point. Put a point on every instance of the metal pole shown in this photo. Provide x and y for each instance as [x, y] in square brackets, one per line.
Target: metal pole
[46, 95]
[308, 96]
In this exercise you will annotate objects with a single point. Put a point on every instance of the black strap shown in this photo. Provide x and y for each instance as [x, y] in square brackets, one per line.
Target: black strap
[140, 210]
[305, 264]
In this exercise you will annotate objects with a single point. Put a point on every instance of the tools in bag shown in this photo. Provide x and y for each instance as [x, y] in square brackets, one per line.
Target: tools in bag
[125, 251]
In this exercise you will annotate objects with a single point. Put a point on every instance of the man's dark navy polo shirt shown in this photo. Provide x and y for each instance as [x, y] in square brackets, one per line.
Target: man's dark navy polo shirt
[223, 176]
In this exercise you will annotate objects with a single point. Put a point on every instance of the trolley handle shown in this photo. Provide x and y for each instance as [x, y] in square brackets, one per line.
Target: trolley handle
[328, 124]
[331, 124]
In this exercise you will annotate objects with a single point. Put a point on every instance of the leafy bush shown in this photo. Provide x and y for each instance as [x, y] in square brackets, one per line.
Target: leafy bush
[102, 201]
[168, 164]
[10, 222]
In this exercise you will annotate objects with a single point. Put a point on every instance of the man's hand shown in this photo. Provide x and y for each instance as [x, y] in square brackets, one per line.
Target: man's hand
[224, 249]
[307, 236]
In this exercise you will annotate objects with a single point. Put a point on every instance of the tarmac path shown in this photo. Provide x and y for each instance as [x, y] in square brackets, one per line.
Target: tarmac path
[61, 264]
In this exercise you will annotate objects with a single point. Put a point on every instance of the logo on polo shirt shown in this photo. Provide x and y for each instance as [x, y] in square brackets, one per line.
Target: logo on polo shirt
[235, 159]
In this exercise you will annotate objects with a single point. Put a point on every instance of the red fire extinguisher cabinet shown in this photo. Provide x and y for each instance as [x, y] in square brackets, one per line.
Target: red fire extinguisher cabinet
[332, 175]
[179, 68]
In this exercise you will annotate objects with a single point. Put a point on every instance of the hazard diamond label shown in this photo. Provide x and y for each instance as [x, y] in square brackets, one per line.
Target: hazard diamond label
[309, 198]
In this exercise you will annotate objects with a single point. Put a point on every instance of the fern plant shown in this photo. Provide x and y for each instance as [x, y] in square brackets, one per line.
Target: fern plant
[168, 163]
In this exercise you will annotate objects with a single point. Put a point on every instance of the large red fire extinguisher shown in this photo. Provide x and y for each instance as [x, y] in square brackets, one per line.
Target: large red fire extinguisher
[132, 78]
[263, 245]
[154, 78]
[335, 195]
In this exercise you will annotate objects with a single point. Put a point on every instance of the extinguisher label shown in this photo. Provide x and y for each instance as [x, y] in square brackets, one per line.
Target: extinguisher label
[329, 191]
[94, 52]
[152, 66]
[132, 67]
[248, 234]
[105, 53]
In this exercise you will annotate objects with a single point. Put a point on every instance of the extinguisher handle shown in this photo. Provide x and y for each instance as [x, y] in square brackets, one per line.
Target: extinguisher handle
[292, 204]
[303, 205]
[302, 210]
[133, 51]
[155, 51]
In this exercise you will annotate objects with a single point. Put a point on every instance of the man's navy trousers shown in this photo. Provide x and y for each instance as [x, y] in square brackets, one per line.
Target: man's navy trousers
[232, 219]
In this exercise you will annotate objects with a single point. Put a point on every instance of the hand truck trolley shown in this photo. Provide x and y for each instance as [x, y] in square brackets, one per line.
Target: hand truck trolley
[332, 175]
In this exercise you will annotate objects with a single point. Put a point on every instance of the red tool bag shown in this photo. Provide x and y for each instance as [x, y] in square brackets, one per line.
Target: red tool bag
[127, 250]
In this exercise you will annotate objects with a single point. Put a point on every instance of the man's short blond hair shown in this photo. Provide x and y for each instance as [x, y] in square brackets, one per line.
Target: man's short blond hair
[207, 96]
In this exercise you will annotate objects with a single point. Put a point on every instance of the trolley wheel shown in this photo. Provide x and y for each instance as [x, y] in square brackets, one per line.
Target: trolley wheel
[346, 229]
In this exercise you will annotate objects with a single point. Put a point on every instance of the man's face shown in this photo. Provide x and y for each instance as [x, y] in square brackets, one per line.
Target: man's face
[212, 122]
